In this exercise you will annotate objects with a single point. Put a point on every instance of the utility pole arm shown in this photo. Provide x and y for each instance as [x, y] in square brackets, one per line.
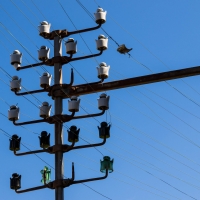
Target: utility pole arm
[90, 88]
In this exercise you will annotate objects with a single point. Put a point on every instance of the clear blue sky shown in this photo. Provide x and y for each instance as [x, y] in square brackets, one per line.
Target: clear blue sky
[155, 128]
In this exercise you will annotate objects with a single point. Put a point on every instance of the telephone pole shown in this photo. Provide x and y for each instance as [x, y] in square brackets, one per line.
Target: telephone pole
[58, 127]
[59, 118]
[60, 91]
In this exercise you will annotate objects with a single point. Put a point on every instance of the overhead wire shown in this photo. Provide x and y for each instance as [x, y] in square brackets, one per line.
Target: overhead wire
[165, 109]
[149, 69]
[18, 43]
[119, 147]
[139, 131]
[116, 171]
[138, 61]
[160, 179]
[122, 157]
[23, 32]
[76, 29]
[177, 133]
[152, 166]
[40, 102]
[154, 55]
[37, 106]
[8, 135]
[46, 163]
[19, 26]
[169, 184]
[167, 100]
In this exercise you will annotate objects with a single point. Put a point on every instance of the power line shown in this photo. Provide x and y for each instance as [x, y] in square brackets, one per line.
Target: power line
[9, 136]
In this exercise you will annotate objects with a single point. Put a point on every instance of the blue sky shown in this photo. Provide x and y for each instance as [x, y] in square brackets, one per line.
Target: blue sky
[155, 128]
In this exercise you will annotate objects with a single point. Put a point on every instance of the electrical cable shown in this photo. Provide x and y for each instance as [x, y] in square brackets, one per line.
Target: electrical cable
[19, 26]
[166, 163]
[129, 178]
[67, 127]
[138, 61]
[153, 92]
[153, 140]
[8, 135]
[145, 170]
[53, 113]
[125, 30]
[122, 157]
[21, 45]
[172, 87]
[77, 29]
[157, 168]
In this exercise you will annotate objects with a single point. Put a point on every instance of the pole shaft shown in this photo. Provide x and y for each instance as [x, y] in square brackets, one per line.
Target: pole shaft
[58, 105]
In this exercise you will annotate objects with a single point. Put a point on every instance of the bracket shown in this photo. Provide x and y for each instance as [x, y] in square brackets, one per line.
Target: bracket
[64, 33]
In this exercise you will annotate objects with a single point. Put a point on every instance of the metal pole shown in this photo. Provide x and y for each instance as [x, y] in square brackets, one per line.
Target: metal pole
[58, 104]
[89, 88]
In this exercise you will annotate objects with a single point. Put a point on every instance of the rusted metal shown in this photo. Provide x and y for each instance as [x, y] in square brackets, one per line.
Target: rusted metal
[83, 30]
[29, 122]
[59, 59]
[29, 66]
[91, 179]
[50, 120]
[90, 88]
[59, 118]
[67, 90]
[32, 189]
[62, 183]
[90, 145]
[52, 150]
[53, 34]
[89, 115]
[31, 92]
[85, 57]
[64, 33]
[31, 152]
[62, 148]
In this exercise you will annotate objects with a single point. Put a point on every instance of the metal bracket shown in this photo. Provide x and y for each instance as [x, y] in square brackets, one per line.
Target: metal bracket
[58, 88]
[51, 120]
[59, 147]
[64, 33]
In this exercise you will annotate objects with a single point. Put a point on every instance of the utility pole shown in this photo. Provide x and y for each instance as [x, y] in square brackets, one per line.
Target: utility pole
[60, 91]
[59, 118]
[58, 127]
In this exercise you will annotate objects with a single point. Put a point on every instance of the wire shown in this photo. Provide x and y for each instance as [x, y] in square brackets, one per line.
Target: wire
[8, 135]
[128, 177]
[125, 30]
[132, 178]
[138, 61]
[179, 133]
[154, 167]
[76, 29]
[64, 126]
[19, 26]
[118, 147]
[96, 191]
[122, 157]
